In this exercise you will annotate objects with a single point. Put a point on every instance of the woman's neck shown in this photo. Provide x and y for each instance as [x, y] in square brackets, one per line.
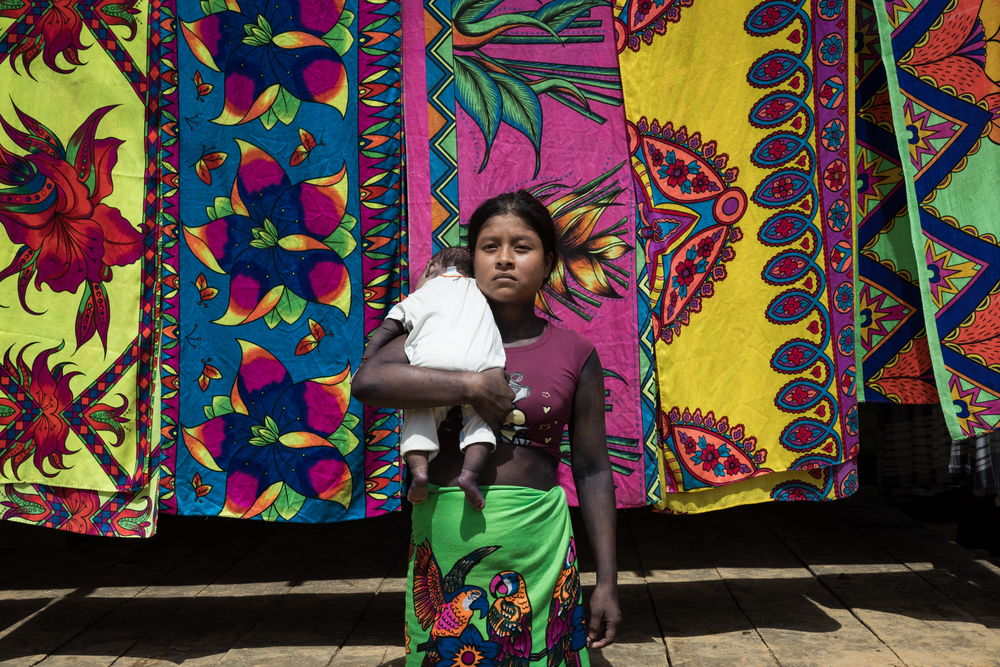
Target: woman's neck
[517, 322]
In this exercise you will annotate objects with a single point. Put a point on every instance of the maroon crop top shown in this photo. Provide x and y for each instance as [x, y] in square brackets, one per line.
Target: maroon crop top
[543, 377]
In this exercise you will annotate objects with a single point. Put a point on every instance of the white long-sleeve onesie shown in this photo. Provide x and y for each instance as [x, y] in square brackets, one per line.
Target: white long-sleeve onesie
[451, 328]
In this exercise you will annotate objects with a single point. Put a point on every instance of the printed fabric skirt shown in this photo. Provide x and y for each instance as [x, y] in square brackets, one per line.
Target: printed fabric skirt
[496, 587]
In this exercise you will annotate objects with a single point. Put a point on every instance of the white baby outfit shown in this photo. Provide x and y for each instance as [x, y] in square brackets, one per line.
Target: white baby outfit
[451, 328]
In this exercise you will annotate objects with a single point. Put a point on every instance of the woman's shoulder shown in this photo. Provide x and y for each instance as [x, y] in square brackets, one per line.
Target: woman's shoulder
[576, 344]
[564, 335]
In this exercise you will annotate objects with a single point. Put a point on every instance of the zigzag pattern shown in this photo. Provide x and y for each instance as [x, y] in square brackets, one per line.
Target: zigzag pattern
[382, 226]
[944, 129]
[74, 415]
[166, 162]
[443, 161]
[649, 390]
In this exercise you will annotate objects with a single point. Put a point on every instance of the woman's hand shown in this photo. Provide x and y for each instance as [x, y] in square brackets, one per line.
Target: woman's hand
[491, 396]
[605, 616]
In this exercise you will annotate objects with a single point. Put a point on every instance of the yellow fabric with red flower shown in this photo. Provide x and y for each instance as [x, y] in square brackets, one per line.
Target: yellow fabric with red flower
[76, 326]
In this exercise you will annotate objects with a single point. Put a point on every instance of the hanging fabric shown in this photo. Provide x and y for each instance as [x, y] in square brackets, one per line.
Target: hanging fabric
[741, 166]
[892, 337]
[288, 251]
[87, 90]
[941, 100]
[531, 98]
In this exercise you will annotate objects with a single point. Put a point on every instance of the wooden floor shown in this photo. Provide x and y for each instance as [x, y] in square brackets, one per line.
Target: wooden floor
[854, 582]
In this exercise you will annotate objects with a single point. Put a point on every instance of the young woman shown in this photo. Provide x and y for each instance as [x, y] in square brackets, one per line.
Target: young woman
[501, 585]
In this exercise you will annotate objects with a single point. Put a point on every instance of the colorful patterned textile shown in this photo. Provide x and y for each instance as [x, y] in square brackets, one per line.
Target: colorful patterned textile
[892, 338]
[744, 220]
[533, 615]
[942, 58]
[705, 246]
[81, 183]
[290, 247]
[522, 95]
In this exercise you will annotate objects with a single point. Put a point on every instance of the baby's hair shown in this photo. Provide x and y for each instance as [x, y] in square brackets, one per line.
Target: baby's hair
[460, 257]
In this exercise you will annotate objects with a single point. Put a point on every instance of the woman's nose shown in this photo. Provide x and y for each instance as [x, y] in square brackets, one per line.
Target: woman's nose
[504, 257]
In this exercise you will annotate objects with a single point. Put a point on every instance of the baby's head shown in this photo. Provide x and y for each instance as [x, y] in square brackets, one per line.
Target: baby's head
[459, 257]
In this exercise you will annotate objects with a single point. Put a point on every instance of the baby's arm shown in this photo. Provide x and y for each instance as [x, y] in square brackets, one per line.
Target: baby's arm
[387, 331]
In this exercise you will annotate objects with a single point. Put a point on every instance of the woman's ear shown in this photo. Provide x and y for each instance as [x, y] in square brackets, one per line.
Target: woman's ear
[550, 262]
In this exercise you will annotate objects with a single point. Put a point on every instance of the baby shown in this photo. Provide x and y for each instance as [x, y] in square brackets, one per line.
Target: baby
[450, 327]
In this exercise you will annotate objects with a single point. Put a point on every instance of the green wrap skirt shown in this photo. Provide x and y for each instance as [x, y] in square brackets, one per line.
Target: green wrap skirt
[494, 587]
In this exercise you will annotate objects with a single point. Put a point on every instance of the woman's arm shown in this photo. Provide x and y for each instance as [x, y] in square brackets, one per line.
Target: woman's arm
[386, 379]
[596, 493]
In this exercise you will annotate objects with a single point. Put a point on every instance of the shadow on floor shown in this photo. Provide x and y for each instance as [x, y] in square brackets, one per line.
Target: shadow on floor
[69, 584]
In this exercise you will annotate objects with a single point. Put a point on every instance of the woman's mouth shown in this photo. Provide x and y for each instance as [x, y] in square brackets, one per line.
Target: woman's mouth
[504, 276]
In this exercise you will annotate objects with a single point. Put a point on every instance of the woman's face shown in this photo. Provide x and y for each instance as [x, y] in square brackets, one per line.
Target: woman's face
[509, 262]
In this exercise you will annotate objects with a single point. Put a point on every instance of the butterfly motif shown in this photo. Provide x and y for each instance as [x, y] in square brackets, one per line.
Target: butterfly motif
[203, 88]
[208, 373]
[302, 151]
[205, 293]
[208, 162]
[311, 339]
[200, 489]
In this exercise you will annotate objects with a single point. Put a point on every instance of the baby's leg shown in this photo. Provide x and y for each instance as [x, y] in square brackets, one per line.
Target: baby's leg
[418, 445]
[478, 440]
[476, 455]
[416, 462]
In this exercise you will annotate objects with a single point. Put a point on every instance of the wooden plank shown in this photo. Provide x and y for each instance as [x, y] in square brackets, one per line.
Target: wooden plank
[640, 639]
[60, 589]
[801, 622]
[102, 640]
[319, 613]
[732, 586]
[209, 623]
[173, 621]
[971, 583]
[917, 622]
[702, 623]
[377, 637]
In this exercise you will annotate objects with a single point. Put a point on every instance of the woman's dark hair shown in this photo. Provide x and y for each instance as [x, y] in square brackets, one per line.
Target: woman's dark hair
[523, 205]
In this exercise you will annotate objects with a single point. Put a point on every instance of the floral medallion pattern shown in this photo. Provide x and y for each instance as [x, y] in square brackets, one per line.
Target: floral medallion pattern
[687, 209]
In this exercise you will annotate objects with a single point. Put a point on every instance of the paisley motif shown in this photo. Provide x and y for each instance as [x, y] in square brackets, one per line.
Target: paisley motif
[688, 205]
[639, 21]
[710, 450]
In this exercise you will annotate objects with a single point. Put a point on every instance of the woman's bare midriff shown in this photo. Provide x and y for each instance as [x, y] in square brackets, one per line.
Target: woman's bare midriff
[508, 465]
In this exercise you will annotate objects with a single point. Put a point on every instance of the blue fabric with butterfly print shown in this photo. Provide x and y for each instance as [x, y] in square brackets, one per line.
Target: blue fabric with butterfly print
[271, 316]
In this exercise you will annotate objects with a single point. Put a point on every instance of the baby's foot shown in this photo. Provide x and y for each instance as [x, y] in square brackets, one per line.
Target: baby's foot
[473, 495]
[418, 486]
